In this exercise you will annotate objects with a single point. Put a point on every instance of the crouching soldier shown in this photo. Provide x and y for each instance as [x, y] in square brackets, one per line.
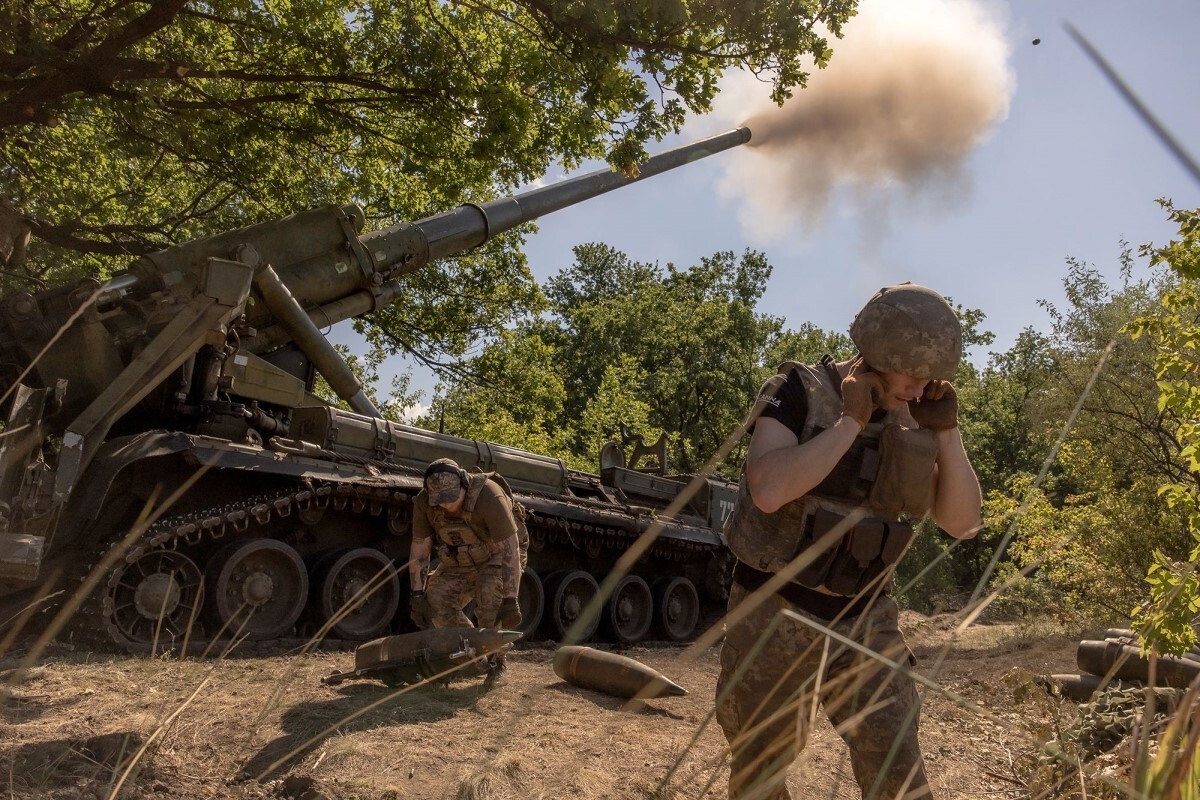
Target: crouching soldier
[481, 540]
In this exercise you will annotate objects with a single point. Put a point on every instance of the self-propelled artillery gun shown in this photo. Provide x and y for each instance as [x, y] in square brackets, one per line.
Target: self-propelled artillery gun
[168, 475]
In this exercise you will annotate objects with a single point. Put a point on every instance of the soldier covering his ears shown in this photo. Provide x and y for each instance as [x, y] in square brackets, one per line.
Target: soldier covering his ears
[841, 455]
[481, 540]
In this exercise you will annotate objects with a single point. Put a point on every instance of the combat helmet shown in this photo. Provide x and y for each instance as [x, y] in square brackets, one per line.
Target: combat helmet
[909, 329]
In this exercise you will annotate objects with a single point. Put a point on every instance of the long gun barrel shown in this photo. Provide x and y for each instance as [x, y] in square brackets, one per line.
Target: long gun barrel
[470, 225]
[335, 274]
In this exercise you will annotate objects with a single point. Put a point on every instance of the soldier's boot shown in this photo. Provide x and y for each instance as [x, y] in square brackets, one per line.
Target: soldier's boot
[497, 672]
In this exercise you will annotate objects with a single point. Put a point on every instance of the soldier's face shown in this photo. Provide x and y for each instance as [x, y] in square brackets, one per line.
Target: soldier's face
[900, 389]
[456, 506]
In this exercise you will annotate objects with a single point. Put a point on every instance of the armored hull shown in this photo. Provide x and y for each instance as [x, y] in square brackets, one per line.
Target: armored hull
[272, 545]
[200, 539]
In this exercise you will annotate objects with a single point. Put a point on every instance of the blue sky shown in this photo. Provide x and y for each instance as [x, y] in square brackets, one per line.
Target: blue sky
[1069, 170]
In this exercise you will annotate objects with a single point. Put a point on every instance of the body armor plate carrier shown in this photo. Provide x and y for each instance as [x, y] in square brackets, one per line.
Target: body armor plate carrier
[464, 541]
[847, 531]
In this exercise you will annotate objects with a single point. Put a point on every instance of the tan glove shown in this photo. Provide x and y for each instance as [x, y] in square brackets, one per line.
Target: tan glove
[510, 614]
[420, 612]
[937, 408]
[861, 389]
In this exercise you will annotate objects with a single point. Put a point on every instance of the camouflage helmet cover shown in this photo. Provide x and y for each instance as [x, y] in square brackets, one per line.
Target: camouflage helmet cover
[911, 330]
[444, 479]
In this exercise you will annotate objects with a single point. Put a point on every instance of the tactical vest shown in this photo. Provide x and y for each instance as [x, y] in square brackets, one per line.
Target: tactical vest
[847, 528]
[465, 541]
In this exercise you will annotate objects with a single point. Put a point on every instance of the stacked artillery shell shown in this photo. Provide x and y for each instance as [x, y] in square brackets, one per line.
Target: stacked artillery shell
[1117, 662]
[1080, 688]
[1125, 636]
[1125, 661]
[612, 674]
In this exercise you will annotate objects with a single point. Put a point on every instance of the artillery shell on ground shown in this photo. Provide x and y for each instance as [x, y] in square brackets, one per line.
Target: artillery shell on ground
[612, 674]
[424, 655]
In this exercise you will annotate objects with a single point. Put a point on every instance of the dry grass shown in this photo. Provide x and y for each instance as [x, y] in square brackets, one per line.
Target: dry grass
[256, 721]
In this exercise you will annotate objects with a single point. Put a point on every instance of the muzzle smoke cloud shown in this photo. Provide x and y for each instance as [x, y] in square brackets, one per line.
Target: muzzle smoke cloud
[912, 87]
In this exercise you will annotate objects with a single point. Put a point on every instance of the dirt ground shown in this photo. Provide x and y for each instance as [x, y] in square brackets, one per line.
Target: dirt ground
[267, 727]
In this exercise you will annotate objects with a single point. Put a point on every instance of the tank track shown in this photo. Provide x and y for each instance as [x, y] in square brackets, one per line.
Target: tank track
[94, 623]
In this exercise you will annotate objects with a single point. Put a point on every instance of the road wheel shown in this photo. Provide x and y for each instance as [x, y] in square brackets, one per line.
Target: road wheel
[676, 608]
[358, 593]
[155, 599]
[257, 589]
[568, 594]
[532, 600]
[630, 610]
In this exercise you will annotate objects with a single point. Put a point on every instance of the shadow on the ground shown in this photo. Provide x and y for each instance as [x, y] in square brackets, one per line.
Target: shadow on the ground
[644, 707]
[308, 725]
[42, 766]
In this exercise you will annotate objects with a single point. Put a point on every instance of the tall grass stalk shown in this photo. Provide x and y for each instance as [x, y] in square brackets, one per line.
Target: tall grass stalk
[1167, 766]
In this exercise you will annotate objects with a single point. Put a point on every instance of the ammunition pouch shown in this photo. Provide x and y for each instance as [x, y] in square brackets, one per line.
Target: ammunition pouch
[810, 601]
[464, 555]
[867, 550]
[903, 481]
[465, 541]
[841, 555]
[890, 474]
[855, 473]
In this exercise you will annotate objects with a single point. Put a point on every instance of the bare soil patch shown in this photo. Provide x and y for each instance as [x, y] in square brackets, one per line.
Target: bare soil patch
[266, 727]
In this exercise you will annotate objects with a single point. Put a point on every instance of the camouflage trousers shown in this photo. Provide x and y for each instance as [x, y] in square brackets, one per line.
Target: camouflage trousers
[767, 697]
[450, 589]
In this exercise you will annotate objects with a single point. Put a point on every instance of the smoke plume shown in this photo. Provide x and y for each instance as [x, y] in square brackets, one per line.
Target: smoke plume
[912, 87]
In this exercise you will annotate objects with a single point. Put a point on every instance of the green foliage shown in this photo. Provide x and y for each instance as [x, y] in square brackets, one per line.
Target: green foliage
[1005, 432]
[1088, 550]
[394, 405]
[693, 335]
[925, 576]
[1024, 597]
[617, 402]
[807, 344]
[1120, 417]
[517, 401]
[126, 128]
[1182, 255]
[672, 350]
[130, 126]
[1084, 536]
[1003, 427]
[1167, 619]
[973, 335]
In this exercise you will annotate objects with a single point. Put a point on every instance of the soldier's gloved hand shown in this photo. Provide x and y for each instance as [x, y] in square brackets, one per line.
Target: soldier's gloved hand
[419, 610]
[937, 408]
[510, 614]
[861, 390]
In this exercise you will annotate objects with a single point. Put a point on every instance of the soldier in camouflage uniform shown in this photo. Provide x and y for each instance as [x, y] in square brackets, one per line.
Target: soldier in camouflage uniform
[481, 546]
[841, 455]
